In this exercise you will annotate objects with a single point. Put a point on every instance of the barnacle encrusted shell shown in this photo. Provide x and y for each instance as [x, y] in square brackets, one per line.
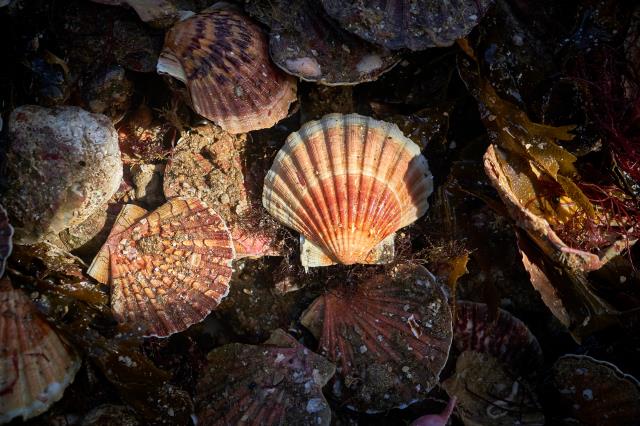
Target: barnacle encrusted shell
[168, 269]
[413, 24]
[223, 58]
[6, 239]
[504, 337]
[389, 337]
[277, 383]
[63, 164]
[305, 42]
[596, 392]
[347, 183]
[490, 394]
[35, 365]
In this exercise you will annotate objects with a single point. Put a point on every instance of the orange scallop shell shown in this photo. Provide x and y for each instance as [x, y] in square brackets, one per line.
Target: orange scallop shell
[35, 365]
[347, 183]
[168, 269]
[223, 58]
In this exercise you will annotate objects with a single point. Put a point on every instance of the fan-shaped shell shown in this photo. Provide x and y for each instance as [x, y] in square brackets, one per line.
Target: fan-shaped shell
[168, 269]
[223, 58]
[346, 183]
[277, 383]
[6, 239]
[35, 365]
[413, 24]
[389, 337]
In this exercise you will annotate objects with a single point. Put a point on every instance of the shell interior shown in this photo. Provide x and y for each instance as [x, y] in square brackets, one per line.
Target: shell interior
[346, 183]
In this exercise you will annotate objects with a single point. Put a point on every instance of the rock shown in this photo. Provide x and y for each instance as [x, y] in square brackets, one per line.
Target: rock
[63, 163]
[109, 92]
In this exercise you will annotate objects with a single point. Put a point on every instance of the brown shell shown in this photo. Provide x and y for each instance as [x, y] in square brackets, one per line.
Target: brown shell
[506, 338]
[389, 337]
[489, 394]
[413, 24]
[35, 365]
[277, 383]
[168, 269]
[347, 183]
[305, 42]
[222, 57]
[6, 239]
[596, 392]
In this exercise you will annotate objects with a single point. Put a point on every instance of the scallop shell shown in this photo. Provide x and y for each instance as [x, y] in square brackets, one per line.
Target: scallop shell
[309, 45]
[223, 58]
[389, 337]
[277, 383]
[596, 392]
[168, 269]
[506, 338]
[6, 239]
[488, 394]
[347, 183]
[417, 25]
[35, 365]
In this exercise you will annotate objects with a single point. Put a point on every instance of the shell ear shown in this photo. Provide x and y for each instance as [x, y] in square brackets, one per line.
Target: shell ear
[383, 253]
[312, 256]
[99, 268]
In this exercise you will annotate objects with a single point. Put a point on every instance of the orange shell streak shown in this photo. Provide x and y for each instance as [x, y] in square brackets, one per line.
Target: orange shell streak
[223, 58]
[346, 182]
[170, 269]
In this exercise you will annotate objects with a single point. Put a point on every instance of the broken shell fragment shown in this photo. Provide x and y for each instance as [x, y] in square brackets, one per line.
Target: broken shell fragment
[506, 337]
[279, 382]
[168, 269]
[6, 239]
[63, 164]
[488, 394]
[417, 25]
[222, 57]
[309, 45]
[389, 337]
[347, 183]
[596, 392]
[35, 365]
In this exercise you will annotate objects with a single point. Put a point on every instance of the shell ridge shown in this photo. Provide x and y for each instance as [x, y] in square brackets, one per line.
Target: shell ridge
[360, 212]
[339, 243]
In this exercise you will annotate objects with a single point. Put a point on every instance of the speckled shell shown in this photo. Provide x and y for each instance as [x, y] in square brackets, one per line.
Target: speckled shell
[223, 58]
[277, 383]
[346, 183]
[63, 164]
[413, 24]
[596, 392]
[168, 269]
[389, 337]
[6, 239]
[309, 45]
[35, 365]
[490, 394]
[506, 338]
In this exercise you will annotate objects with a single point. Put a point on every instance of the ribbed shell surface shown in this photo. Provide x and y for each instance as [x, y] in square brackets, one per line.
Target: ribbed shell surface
[346, 182]
[169, 269]
[35, 366]
[224, 61]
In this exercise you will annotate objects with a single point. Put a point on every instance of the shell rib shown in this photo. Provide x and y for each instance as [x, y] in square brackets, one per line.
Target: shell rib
[223, 58]
[35, 365]
[346, 183]
[168, 269]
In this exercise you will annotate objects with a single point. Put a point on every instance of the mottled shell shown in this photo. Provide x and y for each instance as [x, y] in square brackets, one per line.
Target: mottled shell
[596, 392]
[35, 365]
[277, 383]
[347, 183]
[223, 58]
[309, 45]
[489, 393]
[6, 239]
[413, 24]
[63, 164]
[505, 337]
[167, 269]
[389, 337]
